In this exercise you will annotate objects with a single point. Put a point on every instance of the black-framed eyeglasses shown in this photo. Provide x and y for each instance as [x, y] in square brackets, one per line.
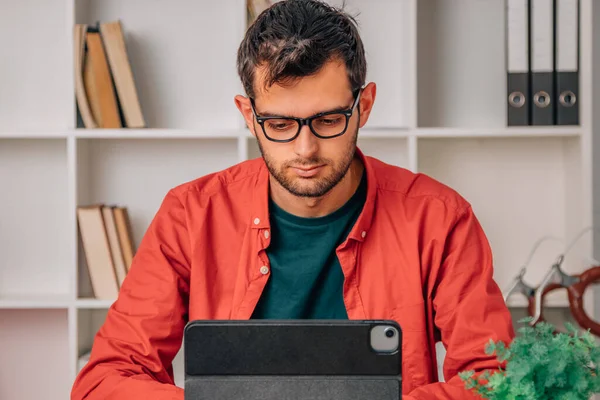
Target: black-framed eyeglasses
[324, 125]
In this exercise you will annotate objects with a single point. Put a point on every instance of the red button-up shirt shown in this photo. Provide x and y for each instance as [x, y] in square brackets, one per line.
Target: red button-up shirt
[416, 255]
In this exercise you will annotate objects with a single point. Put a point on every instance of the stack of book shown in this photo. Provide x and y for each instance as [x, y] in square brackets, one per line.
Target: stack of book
[105, 232]
[105, 91]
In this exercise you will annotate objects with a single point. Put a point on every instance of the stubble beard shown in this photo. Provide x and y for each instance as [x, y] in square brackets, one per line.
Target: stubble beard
[320, 186]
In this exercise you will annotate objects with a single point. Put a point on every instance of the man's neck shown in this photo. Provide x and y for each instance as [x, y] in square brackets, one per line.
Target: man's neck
[311, 207]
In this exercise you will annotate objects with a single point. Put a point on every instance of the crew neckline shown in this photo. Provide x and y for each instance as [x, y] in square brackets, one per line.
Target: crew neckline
[357, 198]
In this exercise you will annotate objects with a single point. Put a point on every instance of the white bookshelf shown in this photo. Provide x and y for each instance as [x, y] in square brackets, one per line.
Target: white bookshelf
[440, 109]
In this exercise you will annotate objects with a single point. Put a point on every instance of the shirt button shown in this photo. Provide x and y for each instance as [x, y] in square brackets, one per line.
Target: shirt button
[256, 221]
[264, 270]
[266, 234]
[363, 234]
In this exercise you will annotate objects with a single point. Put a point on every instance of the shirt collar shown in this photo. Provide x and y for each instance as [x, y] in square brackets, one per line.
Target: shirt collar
[259, 218]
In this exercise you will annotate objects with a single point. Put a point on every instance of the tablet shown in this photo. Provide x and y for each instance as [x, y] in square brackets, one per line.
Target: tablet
[293, 359]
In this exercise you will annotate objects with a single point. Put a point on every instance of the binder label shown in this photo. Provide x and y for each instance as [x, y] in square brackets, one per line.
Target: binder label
[517, 32]
[566, 35]
[542, 36]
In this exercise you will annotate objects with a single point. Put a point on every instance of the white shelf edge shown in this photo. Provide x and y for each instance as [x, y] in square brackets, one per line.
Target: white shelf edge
[192, 134]
[508, 132]
[151, 133]
[383, 133]
[51, 302]
[34, 134]
[366, 133]
[34, 302]
[40, 303]
[93, 304]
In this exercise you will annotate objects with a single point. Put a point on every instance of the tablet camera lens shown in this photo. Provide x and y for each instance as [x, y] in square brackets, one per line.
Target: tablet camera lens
[389, 332]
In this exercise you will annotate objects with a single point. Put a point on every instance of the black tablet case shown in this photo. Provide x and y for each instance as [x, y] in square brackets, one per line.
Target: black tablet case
[295, 360]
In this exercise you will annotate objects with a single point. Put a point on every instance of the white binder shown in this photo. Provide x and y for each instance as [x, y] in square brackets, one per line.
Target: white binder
[542, 62]
[567, 62]
[517, 66]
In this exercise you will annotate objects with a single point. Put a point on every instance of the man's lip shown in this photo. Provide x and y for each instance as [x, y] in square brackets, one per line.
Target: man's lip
[309, 168]
[309, 172]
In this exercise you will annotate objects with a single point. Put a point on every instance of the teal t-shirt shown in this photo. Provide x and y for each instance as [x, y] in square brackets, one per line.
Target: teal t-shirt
[306, 279]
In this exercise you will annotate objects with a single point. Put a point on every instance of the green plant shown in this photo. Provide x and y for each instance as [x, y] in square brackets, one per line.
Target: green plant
[541, 364]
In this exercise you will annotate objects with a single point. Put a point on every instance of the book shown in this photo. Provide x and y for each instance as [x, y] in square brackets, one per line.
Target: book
[98, 255]
[120, 68]
[98, 83]
[115, 244]
[125, 235]
[83, 106]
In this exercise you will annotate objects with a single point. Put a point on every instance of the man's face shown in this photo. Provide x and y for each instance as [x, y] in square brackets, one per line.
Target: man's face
[308, 166]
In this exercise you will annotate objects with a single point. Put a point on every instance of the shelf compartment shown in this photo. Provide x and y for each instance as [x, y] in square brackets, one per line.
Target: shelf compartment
[35, 237]
[30, 339]
[521, 190]
[387, 66]
[36, 65]
[138, 174]
[185, 79]
[89, 321]
[389, 150]
[461, 72]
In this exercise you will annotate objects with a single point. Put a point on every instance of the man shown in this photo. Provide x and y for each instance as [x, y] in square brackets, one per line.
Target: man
[313, 229]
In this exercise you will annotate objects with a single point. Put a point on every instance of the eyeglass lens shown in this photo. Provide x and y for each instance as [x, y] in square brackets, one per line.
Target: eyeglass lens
[283, 128]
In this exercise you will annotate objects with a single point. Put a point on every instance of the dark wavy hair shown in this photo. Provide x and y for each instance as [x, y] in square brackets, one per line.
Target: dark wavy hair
[295, 38]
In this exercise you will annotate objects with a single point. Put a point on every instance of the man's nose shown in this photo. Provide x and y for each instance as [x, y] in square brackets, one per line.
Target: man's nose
[306, 144]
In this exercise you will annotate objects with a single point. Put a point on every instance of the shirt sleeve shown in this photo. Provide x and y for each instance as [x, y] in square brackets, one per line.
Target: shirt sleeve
[132, 354]
[469, 309]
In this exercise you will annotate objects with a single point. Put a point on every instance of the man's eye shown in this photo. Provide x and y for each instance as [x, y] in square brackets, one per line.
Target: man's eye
[279, 126]
[330, 121]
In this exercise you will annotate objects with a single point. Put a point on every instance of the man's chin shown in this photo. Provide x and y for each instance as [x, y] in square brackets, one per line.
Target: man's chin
[308, 187]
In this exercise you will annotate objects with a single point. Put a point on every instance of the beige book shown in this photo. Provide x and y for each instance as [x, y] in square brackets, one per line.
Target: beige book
[115, 244]
[98, 84]
[97, 252]
[125, 235]
[116, 53]
[79, 35]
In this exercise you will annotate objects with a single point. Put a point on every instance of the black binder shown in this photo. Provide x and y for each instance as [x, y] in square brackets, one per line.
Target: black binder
[567, 61]
[517, 63]
[542, 62]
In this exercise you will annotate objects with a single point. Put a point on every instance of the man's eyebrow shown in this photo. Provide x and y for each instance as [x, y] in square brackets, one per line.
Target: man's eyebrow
[272, 114]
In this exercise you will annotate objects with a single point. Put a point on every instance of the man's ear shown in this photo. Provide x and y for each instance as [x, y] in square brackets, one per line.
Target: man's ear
[243, 104]
[367, 99]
